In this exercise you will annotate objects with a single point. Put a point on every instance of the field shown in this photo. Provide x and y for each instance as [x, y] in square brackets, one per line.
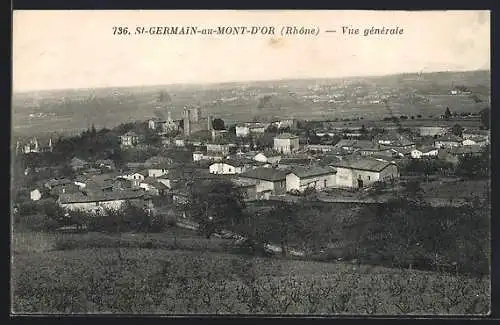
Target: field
[89, 278]
[71, 111]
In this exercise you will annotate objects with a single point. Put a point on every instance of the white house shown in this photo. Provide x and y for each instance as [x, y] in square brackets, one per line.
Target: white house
[227, 167]
[180, 142]
[318, 178]
[267, 157]
[356, 173]
[157, 171]
[129, 139]
[423, 152]
[197, 156]
[153, 186]
[320, 147]
[480, 141]
[246, 129]
[135, 177]
[286, 143]
[35, 195]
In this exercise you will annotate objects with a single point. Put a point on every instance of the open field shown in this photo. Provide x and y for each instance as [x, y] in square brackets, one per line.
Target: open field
[73, 110]
[140, 280]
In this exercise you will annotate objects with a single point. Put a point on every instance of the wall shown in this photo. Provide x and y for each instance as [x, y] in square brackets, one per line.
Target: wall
[446, 144]
[226, 169]
[242, 131]
[156, 172]
[286, 145]
[277, 188]
[90, 206]
[300, 184]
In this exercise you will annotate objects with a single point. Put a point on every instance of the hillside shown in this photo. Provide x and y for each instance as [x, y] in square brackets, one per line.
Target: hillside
[140, 280]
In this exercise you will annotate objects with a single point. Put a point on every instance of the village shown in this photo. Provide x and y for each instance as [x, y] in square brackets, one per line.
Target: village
[279, 160]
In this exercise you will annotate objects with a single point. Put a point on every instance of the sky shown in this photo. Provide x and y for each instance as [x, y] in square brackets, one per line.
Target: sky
[77, 49]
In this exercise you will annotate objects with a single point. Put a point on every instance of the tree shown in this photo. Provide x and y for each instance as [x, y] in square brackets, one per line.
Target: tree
[283, 221]
[218, 124]
[272, 129]
[485, 117]
[457, 130]
[447, 113]
[215, 204]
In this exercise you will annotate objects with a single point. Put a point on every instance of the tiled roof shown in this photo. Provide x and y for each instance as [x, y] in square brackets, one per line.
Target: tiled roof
[450, 137]
[267, 174]
[362, 164]
[312, 171]
[286, 136]
[98, 197]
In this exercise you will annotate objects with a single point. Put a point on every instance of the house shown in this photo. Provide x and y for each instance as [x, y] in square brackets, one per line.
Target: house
[64, 188]
[197, 156]
[269, 156]
[486, 134]
[471, 141]
[401, 152]
[164, 180]
[105, 164]
[448, 141]
[246, 129]
[286, 143]
[319, 147]
[153, 186]
[268, 180]
[157, 171]
[97, 202]
[157, 160]
[179, 142]
[424, 152]
[356, 173]
[215, 156]
[35, 195]
[218, 148]
[248, 188]
[129, 139]
[78, 164]
[228, 167]
[354, 145]
[135, 177]
[282, 124]
[316, 177]
[56, 182]
[394, 139]
[122, 184]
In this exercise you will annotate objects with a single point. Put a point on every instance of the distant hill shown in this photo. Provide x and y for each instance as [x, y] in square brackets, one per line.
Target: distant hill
[75, 109]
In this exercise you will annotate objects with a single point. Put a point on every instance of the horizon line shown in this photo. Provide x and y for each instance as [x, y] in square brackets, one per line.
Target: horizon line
[249, 81]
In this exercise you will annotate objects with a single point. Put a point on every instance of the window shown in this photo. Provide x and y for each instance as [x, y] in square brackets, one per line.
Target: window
[368, 177]
[324, 182]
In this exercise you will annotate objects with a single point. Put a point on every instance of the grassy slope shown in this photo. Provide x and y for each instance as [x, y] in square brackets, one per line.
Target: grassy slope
[136, 280]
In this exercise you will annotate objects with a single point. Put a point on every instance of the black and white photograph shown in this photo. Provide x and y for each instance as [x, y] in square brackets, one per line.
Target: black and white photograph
[318, 163]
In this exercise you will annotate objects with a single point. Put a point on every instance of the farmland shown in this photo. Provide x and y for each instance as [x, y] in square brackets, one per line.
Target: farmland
[426, 95]
[162, 280]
